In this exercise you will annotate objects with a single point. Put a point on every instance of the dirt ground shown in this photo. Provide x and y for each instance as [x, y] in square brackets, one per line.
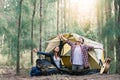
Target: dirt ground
[62, 77]
[9, 74]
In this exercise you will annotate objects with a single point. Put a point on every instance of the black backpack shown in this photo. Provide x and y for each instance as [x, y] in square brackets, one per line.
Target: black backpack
[46, 67]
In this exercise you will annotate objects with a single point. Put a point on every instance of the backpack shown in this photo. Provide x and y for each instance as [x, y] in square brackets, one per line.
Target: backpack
[46, 67]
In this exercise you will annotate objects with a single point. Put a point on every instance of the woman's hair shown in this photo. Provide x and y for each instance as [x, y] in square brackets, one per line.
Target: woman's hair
[54, 48]
[54, 51]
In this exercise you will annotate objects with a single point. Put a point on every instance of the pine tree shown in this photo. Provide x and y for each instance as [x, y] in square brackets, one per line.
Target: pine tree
[32, 27]
[40, 43]
[58, 17]
[18, 45]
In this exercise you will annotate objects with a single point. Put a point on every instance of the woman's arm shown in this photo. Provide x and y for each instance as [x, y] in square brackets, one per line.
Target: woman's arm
[66, 40]
[43, 53]
[63, 38]
[61, 46]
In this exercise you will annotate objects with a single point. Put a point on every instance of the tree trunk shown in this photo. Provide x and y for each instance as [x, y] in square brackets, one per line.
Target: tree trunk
[18, 43]
[61, 15]
[119, 12]
[64, 15]
[99, 16]
[118, 41]
[40, 44]
[58, 17]
[108, 9]
[118, 55]
[33, 15]
[69, 14]
[116, 9]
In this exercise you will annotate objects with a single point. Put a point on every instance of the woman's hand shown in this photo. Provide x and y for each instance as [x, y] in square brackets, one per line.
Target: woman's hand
[35, 50]
[60, 36]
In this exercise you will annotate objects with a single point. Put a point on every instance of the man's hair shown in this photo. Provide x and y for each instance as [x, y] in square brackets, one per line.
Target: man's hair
[82, 39]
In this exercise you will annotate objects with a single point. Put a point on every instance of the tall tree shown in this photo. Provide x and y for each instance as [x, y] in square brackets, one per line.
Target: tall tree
[40, 44]
[117, 33]
[57, 16]
[18, 45]
[118, 38]
[32, 25]
[64, 15]
[99, 16]
[108, 9]
[119, 11]
[61, 15]
[108, 13]
[116, 9]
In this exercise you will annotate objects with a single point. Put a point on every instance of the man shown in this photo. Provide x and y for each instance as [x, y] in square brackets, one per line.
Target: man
[79, 53]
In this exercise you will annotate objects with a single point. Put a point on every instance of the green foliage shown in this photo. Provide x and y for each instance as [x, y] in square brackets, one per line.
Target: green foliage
[3, 25]
[26, 8]
[83, 31]
[51, 1]
[111, 31]
[108, 29]
[9, 27]
[79, 30]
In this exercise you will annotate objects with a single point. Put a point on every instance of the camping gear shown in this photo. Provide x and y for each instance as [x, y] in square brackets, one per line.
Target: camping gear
[47, 68]
[43, 67]
[94, 56]
[35, 71]
[106, 65]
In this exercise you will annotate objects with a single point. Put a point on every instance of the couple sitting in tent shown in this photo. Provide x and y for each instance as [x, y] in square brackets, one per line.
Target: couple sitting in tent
[79, 54]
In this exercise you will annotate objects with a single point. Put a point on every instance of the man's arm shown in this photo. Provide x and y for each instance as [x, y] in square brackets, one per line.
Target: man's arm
[91, 48]
[99, 48]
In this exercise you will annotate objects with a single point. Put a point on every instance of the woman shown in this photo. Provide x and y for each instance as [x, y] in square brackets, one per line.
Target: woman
[55, 58]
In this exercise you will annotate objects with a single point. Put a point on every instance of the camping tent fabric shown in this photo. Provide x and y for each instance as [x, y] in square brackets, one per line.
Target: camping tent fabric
[94, 56]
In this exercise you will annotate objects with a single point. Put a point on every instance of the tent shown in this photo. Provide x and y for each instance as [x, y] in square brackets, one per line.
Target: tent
[94, 56]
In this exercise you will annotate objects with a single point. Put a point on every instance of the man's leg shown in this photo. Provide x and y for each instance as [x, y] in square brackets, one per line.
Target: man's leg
[74, 67]
[80, 67]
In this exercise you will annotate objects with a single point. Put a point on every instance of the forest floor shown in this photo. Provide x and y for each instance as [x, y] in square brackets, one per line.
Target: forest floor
[7, 73]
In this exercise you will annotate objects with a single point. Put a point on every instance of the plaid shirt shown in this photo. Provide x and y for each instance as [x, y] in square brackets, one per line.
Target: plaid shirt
[84, 49]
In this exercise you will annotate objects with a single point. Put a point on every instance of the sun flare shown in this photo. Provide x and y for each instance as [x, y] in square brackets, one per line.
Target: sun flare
[84, 10]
